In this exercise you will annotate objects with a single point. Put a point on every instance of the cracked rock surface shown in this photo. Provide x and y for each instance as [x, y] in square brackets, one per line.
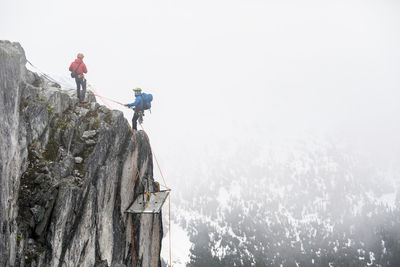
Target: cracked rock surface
[66, 177]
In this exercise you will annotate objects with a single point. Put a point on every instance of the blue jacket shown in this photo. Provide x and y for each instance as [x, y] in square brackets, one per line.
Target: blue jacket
[138, 102]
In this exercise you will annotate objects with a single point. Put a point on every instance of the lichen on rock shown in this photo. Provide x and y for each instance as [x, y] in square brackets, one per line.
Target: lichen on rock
[66, 176]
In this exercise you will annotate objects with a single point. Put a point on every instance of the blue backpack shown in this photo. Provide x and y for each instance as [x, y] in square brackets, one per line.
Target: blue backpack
[147, 98]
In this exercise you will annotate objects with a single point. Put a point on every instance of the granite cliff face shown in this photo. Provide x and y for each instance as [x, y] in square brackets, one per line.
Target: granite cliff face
[66, 174]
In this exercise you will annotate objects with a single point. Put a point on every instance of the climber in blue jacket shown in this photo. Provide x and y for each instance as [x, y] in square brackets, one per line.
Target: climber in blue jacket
[138, 107]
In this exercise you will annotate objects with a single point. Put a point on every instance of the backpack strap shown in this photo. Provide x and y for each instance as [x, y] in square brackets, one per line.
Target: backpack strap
[77, 67]
[141, 97]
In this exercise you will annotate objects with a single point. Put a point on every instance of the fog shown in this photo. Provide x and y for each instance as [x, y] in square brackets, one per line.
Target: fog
[229, 73]
[229, 68]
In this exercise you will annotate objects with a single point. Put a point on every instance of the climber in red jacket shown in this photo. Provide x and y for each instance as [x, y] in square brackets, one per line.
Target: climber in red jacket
[79, 68]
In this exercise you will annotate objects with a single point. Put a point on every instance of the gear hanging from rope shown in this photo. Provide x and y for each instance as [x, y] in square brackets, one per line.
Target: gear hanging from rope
[135, 177]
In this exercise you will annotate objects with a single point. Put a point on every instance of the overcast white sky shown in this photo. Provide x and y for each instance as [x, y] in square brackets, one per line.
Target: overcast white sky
[229, 69]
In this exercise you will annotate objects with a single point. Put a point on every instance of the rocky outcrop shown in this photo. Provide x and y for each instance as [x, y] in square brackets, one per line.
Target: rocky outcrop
[66, 174]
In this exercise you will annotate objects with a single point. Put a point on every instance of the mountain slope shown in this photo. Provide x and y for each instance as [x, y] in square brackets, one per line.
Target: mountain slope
[297, 203]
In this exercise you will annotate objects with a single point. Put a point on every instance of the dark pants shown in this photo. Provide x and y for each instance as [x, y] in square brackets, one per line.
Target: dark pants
[81, 94]
[136, 116]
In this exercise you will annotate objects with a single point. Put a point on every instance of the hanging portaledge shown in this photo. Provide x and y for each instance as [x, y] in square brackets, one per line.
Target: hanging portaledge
[150, 202]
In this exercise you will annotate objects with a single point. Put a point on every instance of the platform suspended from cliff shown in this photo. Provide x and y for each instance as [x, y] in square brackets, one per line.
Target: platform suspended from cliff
[149, 202]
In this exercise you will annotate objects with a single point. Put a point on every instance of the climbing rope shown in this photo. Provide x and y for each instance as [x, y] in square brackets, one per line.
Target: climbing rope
[42, 73]
[103, 97]
[134, 178]
[169, 196]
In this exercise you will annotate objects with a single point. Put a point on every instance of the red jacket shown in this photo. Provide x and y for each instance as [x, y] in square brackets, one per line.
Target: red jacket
[82, 68]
